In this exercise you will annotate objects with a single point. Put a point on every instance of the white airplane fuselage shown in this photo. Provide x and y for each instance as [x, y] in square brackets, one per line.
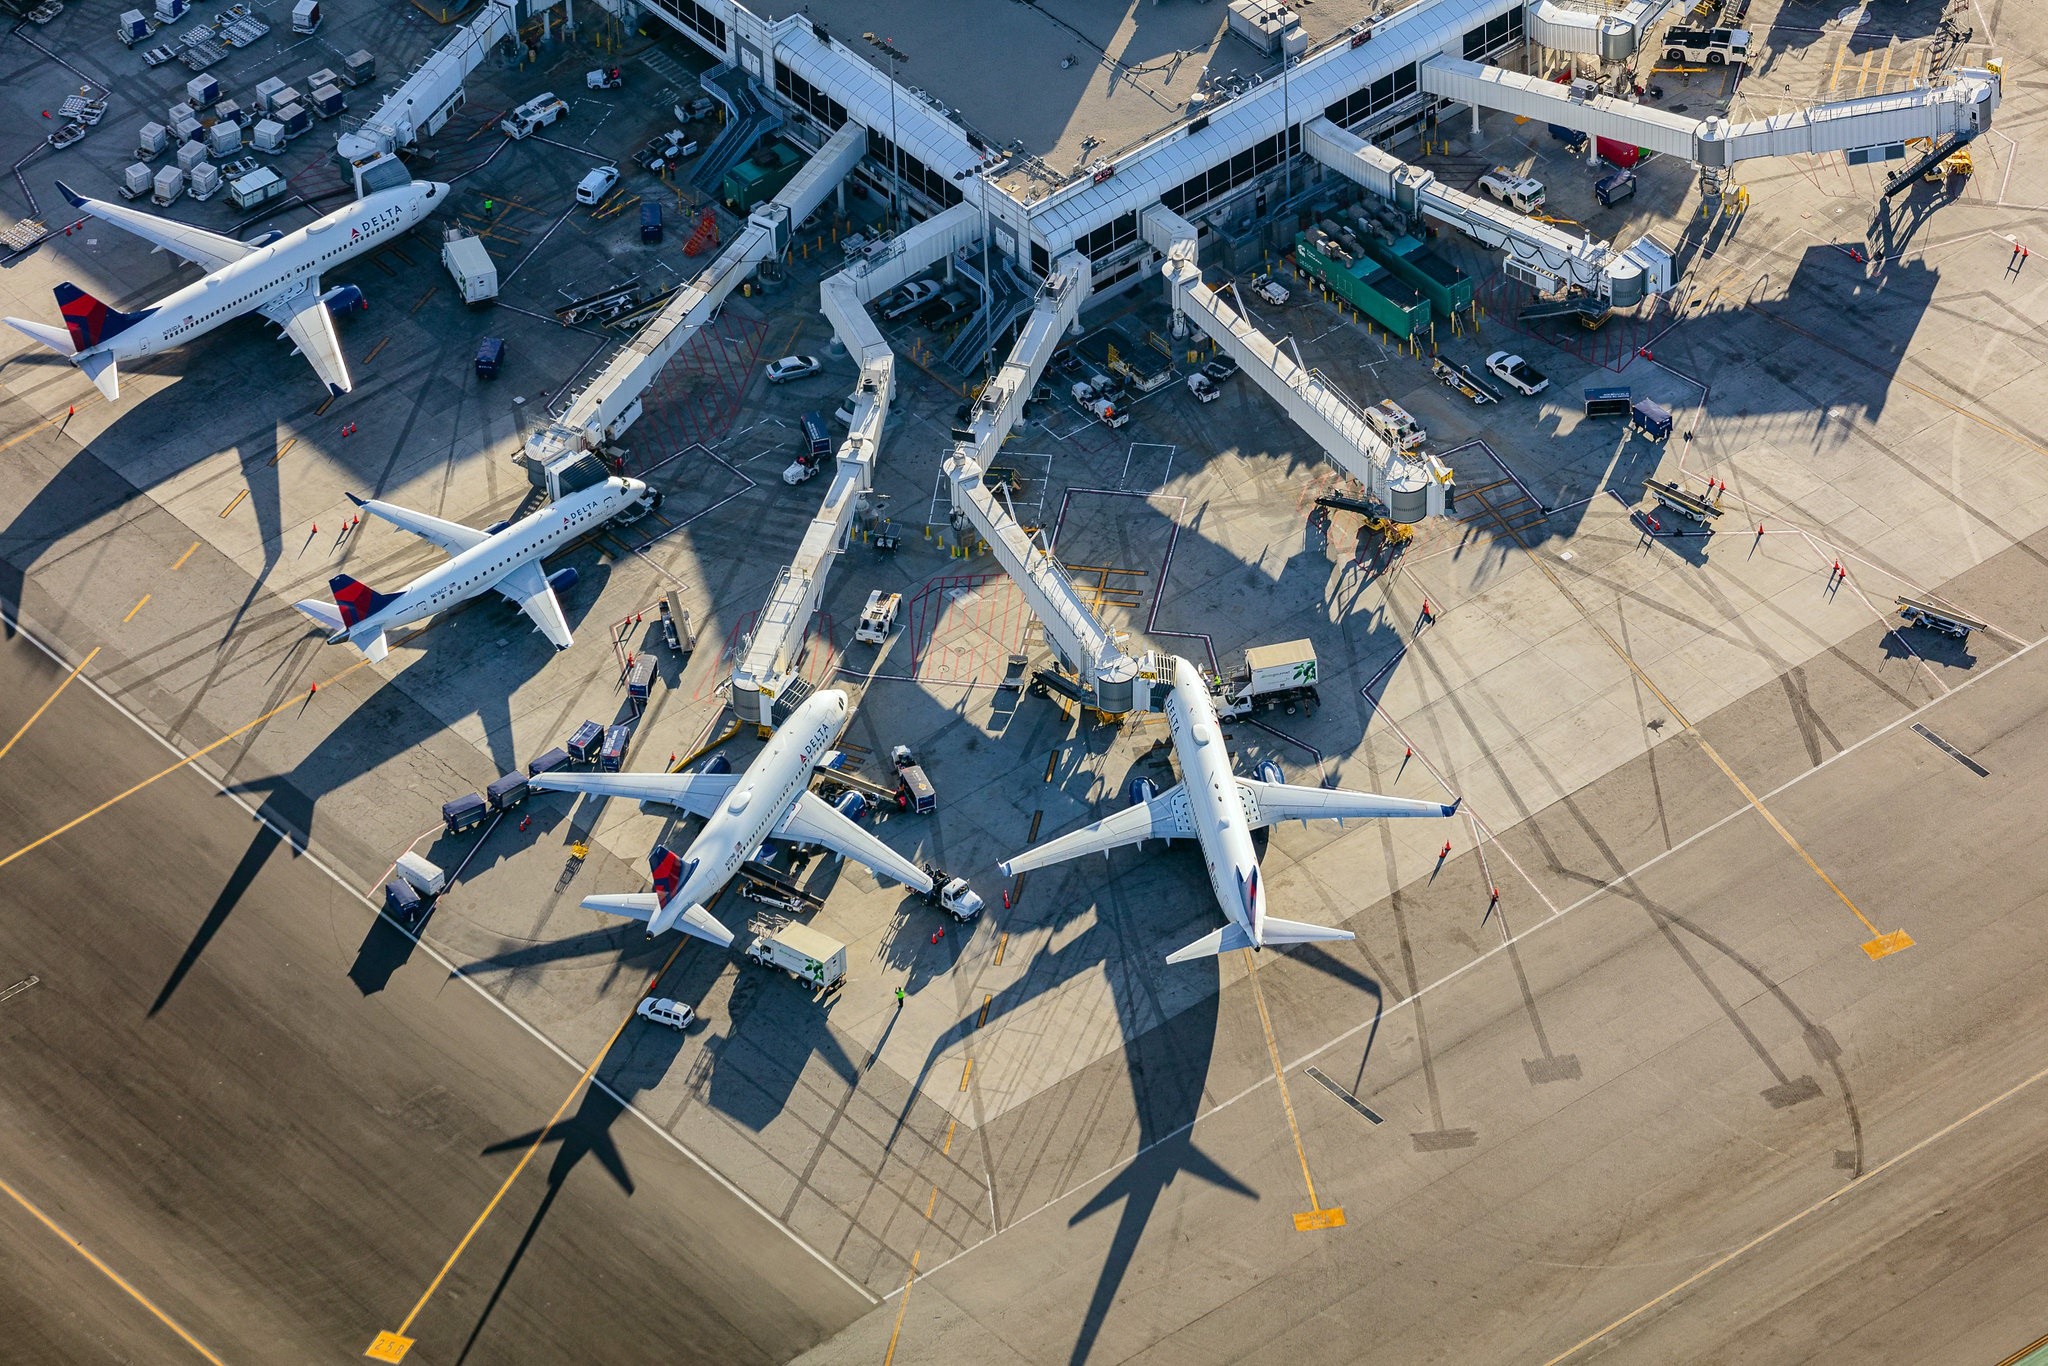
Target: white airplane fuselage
[283, 269]
[1215, 801]
[478, 569]
[779, 775]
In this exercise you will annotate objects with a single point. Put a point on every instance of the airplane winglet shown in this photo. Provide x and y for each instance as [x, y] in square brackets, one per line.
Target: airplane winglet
[71, 196]
[1452, 809]
[353, 499]
[334, 390]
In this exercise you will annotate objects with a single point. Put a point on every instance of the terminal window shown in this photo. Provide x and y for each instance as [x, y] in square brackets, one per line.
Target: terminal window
[1495, 36]
[1381, 95]
[698, 20]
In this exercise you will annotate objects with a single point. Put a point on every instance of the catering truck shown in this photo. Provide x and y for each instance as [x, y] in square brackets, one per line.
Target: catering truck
[798, 950]
[1282, 675]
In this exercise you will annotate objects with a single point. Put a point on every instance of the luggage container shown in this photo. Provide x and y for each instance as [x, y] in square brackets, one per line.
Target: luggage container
[204, 181]
[640, 678]
[585, 741]
[466, 812]
[150, 141]
[650, 221]
[507, 792]
[185, 127]
[468, 263]
[328, 100]
[266, 89]
[490, 353]
[191, 154]
[223, 139]
[402, 902]
[306, 16]
[549, 762]
[284, 95]
[324, 76]
[257, 187]
[202, 89]
[817, 436]
[359, 66]
[136, 180]
[268, 137]
[612, 757]
[171, 11]
[133, 27]
[295, 119]
[230, 111]
[426, 878]
[914, 791]
[1651, 418]
[1609, 401]
[168, 186]
[806, 955]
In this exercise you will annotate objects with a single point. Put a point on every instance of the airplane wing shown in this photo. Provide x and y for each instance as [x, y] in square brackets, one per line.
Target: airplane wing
[528, 587]
[813, 821]
[1162, 817]
[208, 250]
[452, 537]
[1272, 803]
[697, 793]
[310, 327]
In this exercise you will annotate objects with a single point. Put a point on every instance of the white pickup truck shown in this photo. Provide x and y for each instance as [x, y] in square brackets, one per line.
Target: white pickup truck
[1520, 192]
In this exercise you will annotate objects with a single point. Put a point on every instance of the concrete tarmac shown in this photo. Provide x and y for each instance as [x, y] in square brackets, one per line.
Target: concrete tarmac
[197, 1091]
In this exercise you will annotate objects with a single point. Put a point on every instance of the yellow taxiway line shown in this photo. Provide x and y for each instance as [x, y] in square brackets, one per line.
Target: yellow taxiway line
[37, 715]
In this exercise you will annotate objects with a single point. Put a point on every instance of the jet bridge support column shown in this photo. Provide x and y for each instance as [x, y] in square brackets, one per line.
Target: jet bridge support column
[767, 682]
[560, 454]
[1411, 485]
[1106, 675]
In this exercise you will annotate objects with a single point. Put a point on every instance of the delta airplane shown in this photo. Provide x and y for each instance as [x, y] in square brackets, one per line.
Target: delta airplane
[506, 556]
[771, 800]
[276, 274]
[1219, 810]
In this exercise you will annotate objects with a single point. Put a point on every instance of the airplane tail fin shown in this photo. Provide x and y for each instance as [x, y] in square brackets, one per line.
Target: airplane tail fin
[1295, 932]
[669, 871]
[90, 321]
[1231, 936]
[357, 602]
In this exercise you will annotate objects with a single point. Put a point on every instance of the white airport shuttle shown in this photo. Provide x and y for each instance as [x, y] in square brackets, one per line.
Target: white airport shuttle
[1219, 810]
[741, 811]
[506, 556]
[275, 273]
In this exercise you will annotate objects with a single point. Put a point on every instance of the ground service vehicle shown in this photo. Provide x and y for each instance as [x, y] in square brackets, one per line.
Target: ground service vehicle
[1270, 289]
[1396, 425]
[1516, 373]
[603, 78]
[595, 186]
[1521, 192]
[1713, 46]
[878, 617]
[470, 265]
[956, 899]
[663, 1010]
[914, 791]
[536, 114]
[1203, 388]
[1282, 675]
[426, 878]
[800, 951]
[1612, 189]
[1220, 368]
[490, 354]
[650, 222]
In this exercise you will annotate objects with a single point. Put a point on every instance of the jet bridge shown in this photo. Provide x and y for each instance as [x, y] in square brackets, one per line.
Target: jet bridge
[1871, 124]
[1537, 253]
[766, 682]
[1107, 677]
[425, 100]
[1411, 484]
[557, 455]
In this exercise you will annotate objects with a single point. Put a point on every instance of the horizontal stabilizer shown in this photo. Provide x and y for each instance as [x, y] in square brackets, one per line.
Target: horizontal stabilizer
[695, 920]
[56, 338]
[632, 905]
[1295, 932]
[325, 613]
[1231, 936]
[374, 648]
[99, 368]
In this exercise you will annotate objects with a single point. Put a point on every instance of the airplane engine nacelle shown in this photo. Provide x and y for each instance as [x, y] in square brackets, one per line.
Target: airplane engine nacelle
[1140, 791]
[495, 527]
[562, 580]
[263, 239]
[851, 805]
[1269, 772]
[345, 299]
[719, 764]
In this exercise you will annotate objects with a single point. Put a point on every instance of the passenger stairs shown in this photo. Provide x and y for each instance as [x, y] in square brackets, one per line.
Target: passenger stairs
[747, 119]
[1927, 161]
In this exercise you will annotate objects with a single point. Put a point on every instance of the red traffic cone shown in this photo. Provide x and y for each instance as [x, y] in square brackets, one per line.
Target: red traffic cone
[316, 528]
[315, 688]
[1445, 853]
[1410, 752]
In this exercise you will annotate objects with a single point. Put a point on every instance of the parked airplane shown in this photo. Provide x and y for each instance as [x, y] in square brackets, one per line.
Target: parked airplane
[771, 800]
[1218, 809]
[505, 556]
[275, 273]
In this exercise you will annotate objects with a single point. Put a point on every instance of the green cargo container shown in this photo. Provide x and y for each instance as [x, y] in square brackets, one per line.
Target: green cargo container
[1369, 287]
[1448, 289]
[759, 178]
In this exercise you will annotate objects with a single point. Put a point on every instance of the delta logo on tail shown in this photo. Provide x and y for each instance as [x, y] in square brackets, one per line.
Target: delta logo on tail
[358, 601]
[668, 870]
[90, 321]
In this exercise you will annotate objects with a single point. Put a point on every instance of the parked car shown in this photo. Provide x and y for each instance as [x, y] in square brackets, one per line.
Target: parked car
[662, 1010]
[1516, 373]
[793, 367]
[945, 310]
[909, 298]
[665, 151]
[1220, 368]
[1518, 191]
[595, 186]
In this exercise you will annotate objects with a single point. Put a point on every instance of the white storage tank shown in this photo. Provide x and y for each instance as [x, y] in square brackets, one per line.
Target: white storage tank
[205, 180]
[136, 181]
[150, 140]
[269, 136]
[191, 154]
[169, 184]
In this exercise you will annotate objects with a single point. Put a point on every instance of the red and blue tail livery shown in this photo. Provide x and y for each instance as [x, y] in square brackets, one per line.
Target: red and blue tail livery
[358, 601]
[669, 872]
[89, 321]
